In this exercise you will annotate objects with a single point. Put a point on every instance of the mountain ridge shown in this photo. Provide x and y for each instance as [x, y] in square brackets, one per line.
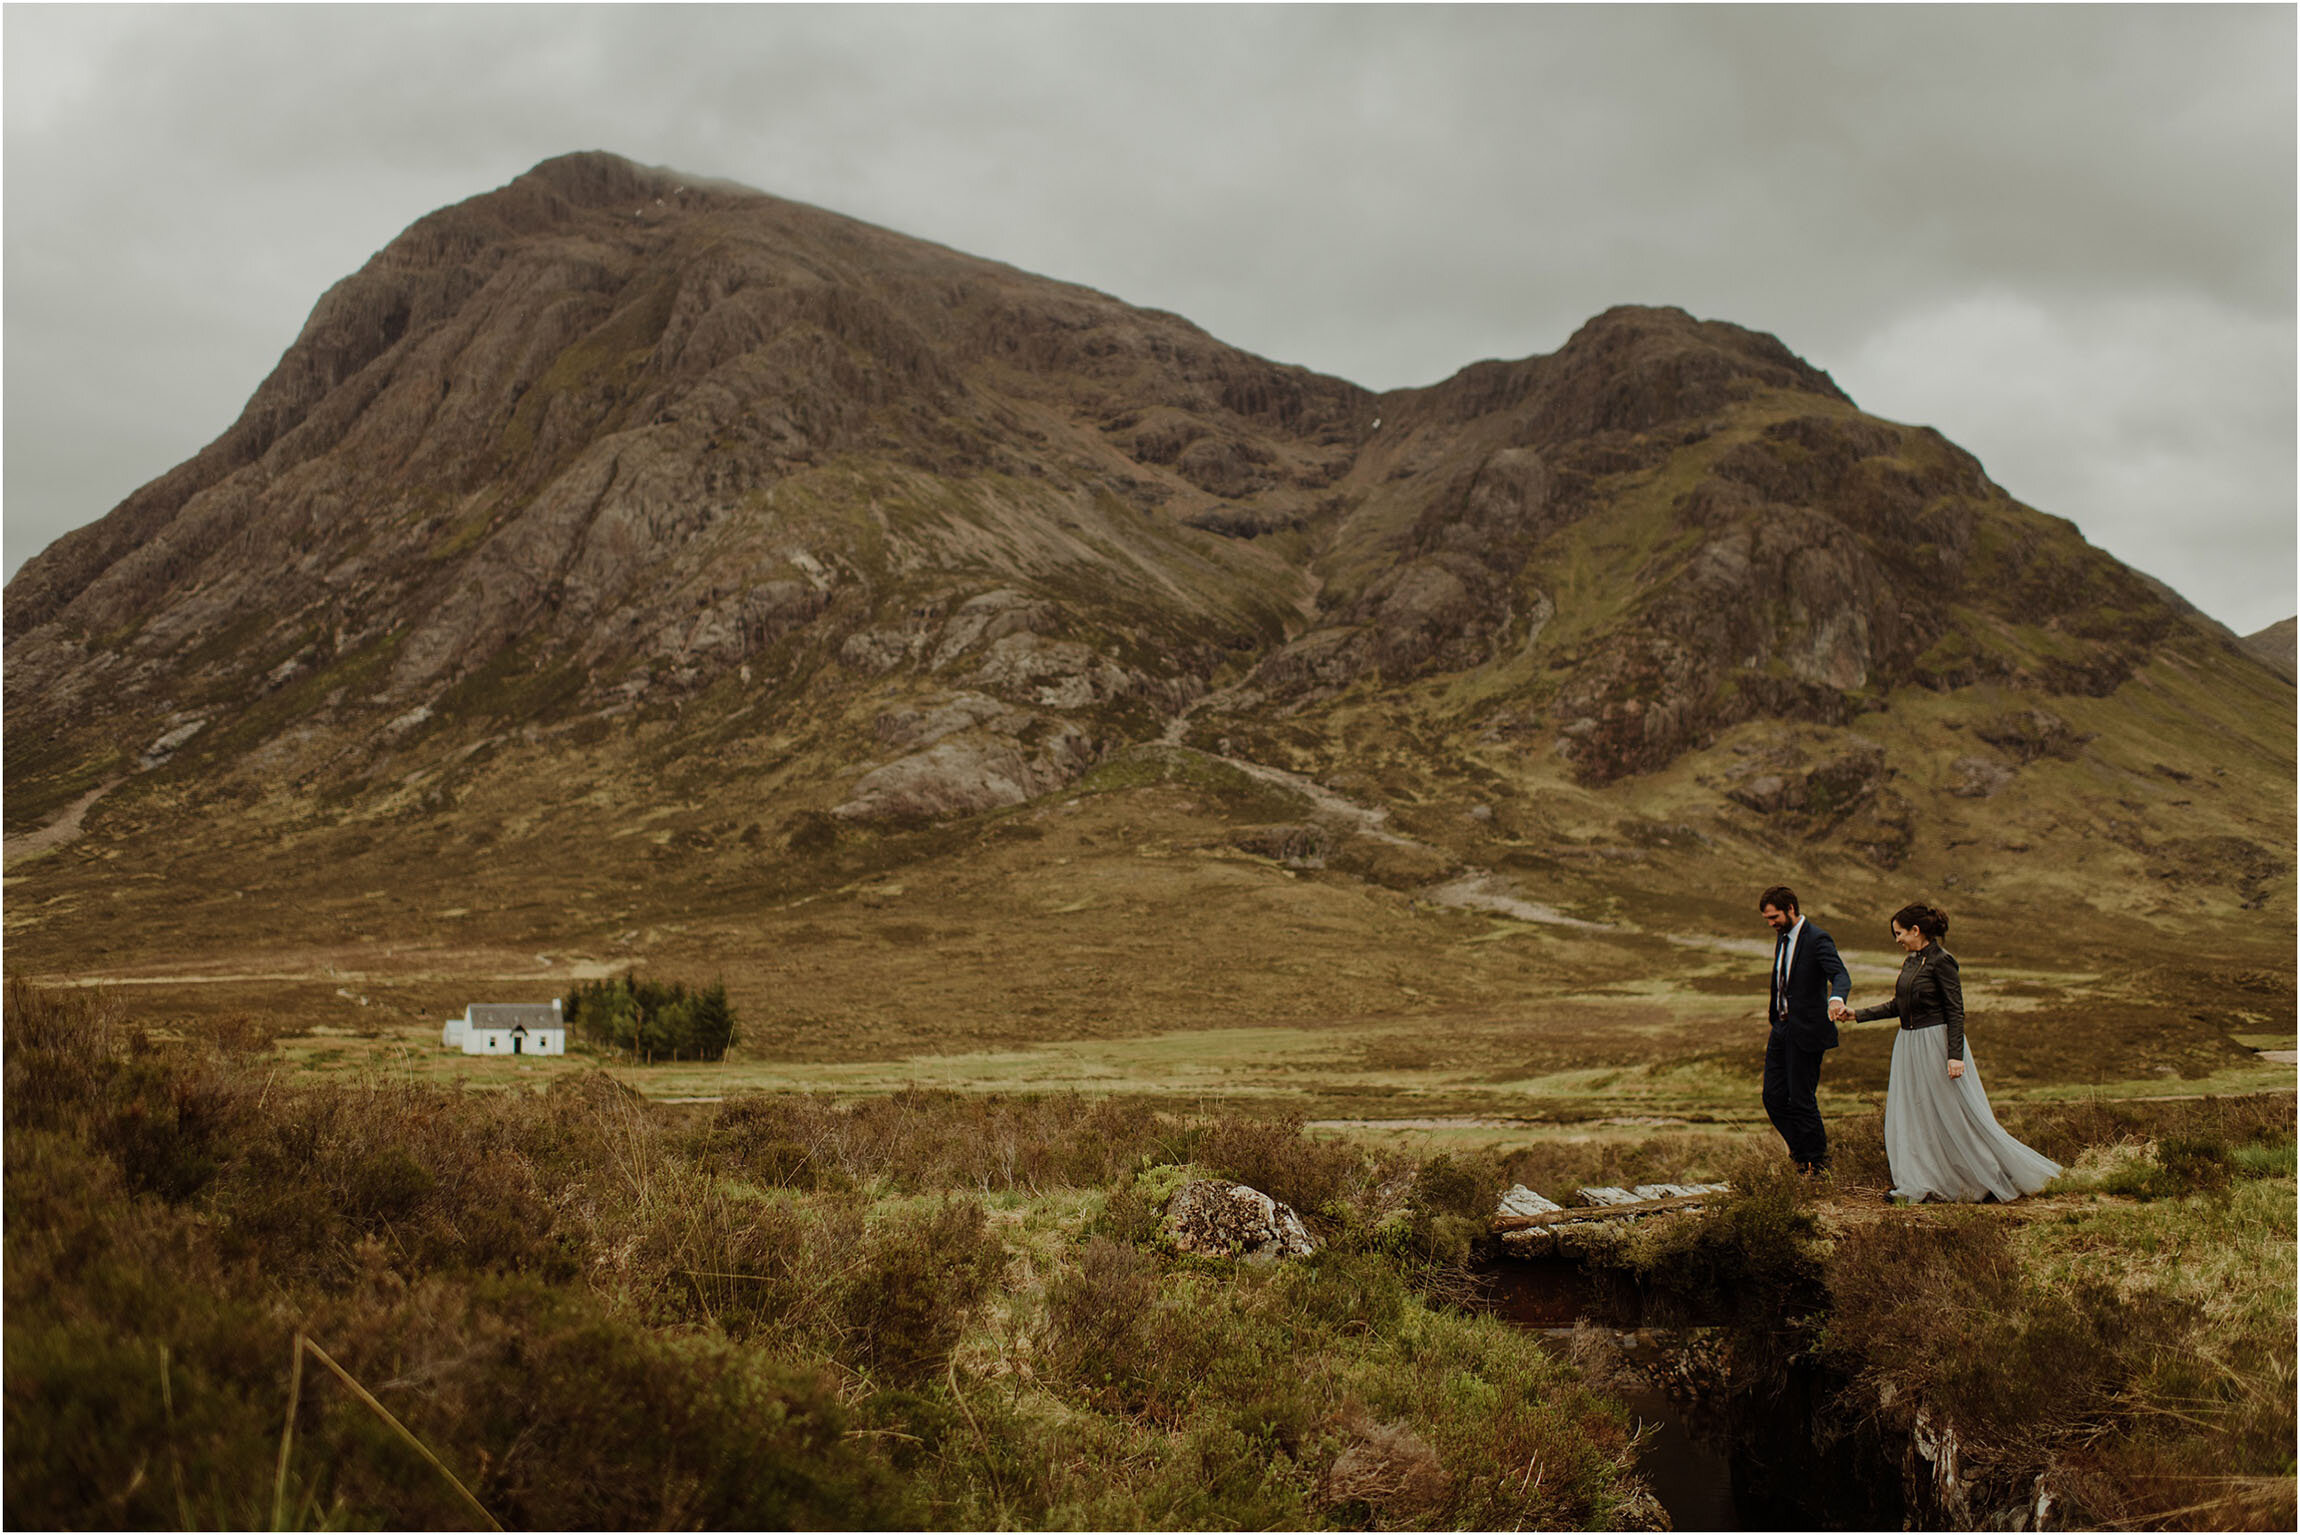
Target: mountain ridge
[613, 459]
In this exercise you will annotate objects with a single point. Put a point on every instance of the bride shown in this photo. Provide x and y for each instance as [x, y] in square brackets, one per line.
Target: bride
[1941, 1139]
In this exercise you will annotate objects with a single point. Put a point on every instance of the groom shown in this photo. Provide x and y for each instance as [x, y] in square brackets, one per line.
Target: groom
[1810, 984]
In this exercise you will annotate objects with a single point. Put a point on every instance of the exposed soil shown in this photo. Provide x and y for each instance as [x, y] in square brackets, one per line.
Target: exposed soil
[62, 830]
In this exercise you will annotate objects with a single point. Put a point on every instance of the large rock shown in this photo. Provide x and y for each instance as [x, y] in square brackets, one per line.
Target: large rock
[967, 771]
[1214, 1219]
[1978, 777]
[2031, 733]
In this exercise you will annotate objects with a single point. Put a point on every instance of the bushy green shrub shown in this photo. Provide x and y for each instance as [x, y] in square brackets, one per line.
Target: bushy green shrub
[924, 1274]
[1098, 1320]
[2199, 1164]
[1750, 1259]
[1274, 1156]
[1445, 1185]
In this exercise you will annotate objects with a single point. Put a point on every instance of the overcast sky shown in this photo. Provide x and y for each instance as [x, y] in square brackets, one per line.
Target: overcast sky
[2064, 235]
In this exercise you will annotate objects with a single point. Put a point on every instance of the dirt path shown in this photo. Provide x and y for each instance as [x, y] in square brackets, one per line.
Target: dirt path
[325, 975]
[1481, 891]
[65, 828]
[1365, 819]
[1473, 889]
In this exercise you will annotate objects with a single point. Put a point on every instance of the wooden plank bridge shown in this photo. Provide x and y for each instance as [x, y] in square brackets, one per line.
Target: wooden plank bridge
[1530, 1224]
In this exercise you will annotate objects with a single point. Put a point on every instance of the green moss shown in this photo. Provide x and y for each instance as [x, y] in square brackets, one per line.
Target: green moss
[1239, 794]
[464, 534]
[509, 686]
[120, 637]
[228, 642]
[46, 774]
[606, 363]
[358, 671]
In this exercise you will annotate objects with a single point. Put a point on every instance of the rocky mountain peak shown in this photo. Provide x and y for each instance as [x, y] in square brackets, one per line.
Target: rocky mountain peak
[612, 445]
[1630, 369]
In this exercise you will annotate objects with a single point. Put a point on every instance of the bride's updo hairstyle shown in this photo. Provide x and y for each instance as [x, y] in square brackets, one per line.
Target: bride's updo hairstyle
[1928, 920]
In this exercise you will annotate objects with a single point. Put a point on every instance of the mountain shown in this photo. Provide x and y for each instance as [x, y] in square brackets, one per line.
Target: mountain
[2275, 646]
[619, 550]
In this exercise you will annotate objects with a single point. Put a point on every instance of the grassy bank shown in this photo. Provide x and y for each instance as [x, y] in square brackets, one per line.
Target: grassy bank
[920, 1310]
[2121, 1343]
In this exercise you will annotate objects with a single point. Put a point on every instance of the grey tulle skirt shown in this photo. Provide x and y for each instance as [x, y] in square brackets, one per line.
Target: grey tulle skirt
[1940, 1137]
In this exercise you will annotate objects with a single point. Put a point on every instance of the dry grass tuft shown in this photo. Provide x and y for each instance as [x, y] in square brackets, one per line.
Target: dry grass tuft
[1388, 1468]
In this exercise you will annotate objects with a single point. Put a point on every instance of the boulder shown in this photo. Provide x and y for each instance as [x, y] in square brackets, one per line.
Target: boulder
[1053, 674]
[1213, 1219]
[2028, 734]
[1301, 845]
[913, 729]
[1769, 793]
[1978, 777]
[968, 772]
[881, 650]
[992, 616]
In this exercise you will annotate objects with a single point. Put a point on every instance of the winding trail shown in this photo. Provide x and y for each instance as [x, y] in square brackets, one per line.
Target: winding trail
[65, 828]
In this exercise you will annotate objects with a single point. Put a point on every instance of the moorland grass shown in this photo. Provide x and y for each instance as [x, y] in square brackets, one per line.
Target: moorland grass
[2138, 1355]
[931, 1307]
[2128, 1335]
[599, 1312]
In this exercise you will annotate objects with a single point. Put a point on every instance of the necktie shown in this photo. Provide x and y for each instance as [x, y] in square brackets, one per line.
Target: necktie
[1781, 977]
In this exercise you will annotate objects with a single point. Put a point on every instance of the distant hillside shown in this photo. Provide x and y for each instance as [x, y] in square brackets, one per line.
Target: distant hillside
[2275, 645]
[623, 532]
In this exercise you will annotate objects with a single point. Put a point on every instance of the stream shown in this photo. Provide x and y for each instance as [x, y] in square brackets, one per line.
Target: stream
[1729, 1457]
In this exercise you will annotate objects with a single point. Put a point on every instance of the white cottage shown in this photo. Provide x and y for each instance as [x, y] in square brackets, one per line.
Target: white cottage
[508, 1028]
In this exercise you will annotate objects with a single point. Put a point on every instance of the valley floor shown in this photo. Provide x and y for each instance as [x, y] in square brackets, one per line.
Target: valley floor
[951, 1304]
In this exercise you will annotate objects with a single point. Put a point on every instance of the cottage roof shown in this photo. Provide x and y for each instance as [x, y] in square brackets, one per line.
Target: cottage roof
[512, 1015]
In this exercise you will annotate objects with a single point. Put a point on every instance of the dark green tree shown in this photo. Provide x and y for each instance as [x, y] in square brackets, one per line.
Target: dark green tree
[651, 1020]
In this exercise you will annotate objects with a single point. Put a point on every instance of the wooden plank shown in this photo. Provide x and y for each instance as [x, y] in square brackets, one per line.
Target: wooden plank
[1521, 1200]
[1606, 1196]
[1598, 1212]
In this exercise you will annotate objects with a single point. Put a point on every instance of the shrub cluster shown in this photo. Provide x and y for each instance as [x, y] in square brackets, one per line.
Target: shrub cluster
[653, 1020]
[2063, 1131]
[1751, 1262]
[1325, 1392]
[784, 1311]
[924, 1139]
[2079, 1347]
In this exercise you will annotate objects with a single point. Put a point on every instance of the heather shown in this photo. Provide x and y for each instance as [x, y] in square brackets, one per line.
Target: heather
[919, 1310]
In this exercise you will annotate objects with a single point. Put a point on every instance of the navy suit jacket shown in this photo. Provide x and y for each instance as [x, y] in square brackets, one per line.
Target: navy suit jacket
[1815, 975]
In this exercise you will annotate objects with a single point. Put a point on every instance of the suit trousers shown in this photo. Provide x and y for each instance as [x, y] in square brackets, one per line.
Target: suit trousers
[1792, 1078]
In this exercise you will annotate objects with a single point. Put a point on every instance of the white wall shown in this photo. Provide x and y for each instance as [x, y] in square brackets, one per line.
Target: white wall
[499, 1041]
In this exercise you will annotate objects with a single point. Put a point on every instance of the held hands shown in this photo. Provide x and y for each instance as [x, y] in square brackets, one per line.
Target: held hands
[1839, 1012]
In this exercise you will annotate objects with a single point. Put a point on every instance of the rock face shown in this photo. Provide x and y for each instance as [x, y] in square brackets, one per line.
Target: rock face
[1213, 1219]
[613, 446]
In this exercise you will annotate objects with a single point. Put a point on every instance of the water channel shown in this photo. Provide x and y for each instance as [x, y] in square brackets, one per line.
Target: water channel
[1718, 1459]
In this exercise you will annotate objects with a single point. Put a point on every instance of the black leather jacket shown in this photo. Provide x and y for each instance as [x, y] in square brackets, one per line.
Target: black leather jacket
[1927, 993]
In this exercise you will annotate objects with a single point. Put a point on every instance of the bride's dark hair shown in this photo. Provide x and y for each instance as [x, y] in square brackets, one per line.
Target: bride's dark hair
[1928, 920]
